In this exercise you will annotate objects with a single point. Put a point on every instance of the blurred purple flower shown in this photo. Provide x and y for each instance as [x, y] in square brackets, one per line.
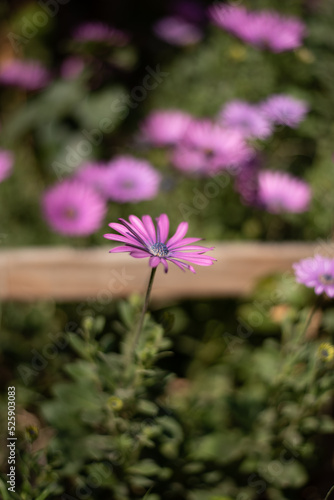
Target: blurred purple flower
[262, 29]
[284, 109]
[72, 67]
[207, 148]
[177, 31]
[6, 164]
[26, 74]
[130, 179]
[317, 273]
[246, 181]
[165, 127]
[72, 208]
[246, 118]
[281, 192]
[96, 31]
[140, 238]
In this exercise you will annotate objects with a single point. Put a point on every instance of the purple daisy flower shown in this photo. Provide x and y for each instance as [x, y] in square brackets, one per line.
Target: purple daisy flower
[246, 118]
[73, 209]
[165, 127]
[130, 179]
[72, 67]
[317, 273]
[177, 31]
[262, 29]
[6, 164]
[207, 148]
[284, 110]
[100, 32]
[29, 75]
[281, 192]
[141, 239]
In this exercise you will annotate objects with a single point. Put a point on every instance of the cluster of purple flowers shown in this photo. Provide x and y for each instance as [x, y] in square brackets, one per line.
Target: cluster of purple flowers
[205, 147]
[257, 121]
[77, 206]
[264, 29]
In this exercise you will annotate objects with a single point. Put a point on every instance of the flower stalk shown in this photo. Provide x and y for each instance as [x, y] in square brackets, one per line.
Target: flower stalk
[144, 310]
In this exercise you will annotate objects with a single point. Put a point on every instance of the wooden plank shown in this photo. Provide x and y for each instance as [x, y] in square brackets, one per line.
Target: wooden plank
[66, 274]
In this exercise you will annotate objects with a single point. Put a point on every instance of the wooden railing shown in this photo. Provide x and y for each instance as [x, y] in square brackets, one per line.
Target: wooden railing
[67, 274]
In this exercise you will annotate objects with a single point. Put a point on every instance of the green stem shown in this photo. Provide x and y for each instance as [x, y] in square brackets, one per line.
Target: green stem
[330, 491]
[142, 316]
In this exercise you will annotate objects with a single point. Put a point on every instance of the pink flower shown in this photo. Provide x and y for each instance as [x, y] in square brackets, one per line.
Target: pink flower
[29, 75]
[245, 118]
[317, 273]
[130, 179]
[100, 32]
[165, 127]
[281, 192]
[262, 29]
[6, 164]
[141, 240]
[73, 209]
[207, 148]
[177, 31]
[284, 110]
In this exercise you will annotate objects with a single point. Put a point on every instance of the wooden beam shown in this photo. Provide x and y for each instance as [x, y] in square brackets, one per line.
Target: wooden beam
[67, 274]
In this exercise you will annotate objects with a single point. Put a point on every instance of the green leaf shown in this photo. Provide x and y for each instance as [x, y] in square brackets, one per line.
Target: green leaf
[145, 467]
[147, 407]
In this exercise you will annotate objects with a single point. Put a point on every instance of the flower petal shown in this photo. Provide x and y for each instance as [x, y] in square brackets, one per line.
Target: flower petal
[185, 241]
[165, 263]
[138, 226]
[201, 260]
[182, 265]
[120, 249]
[149, 226]
[154, 261]
[139, 254]
[124, 239]
[196, 248]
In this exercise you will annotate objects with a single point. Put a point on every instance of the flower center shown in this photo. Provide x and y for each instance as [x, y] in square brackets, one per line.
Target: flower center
[128, 184]
[159, 250]
[209, 153]
[326, 279]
